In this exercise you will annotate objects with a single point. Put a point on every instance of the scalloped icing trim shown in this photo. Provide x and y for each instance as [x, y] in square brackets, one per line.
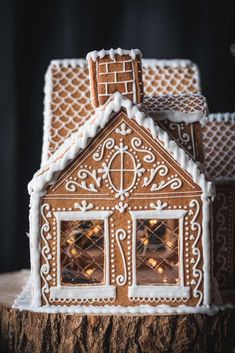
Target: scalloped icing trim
[24, 302]
[78, 141]
[133, 53]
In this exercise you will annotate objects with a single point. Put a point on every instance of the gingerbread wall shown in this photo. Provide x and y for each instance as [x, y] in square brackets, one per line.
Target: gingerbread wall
[123, 171]
[223, 232]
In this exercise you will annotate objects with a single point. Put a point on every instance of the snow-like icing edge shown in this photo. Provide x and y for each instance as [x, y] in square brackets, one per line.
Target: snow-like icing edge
[221, 117]
[146, 62]
[24, 302]
[178, 117]
[94, 55]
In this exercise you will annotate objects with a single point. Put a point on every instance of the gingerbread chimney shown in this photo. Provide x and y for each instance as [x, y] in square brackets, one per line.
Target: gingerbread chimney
[115, 70]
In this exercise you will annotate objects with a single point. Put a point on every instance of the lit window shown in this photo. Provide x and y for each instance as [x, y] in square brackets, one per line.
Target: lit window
[83, 256]
[157, 251]
[82, 252]
[157, 255]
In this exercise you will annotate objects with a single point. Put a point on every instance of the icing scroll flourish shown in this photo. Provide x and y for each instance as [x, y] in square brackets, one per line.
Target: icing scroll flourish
[72, 185]
[174, 183]
[195, 226]
[183, 136]
[108, 144]
[136, 144]
[45, 268]
[120, 236]
[162, 170]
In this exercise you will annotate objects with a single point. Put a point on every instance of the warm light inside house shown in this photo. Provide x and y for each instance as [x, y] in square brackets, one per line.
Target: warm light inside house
[82, 252]
[157, 251]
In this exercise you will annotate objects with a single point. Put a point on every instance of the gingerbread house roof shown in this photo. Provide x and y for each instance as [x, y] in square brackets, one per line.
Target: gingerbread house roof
[219, 146]
[176, 76]
[48, 173]
[67, 102]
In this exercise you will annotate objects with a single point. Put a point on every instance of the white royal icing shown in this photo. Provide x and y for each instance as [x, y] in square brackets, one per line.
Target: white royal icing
[112, 52]
[221, 117]
[24, 302]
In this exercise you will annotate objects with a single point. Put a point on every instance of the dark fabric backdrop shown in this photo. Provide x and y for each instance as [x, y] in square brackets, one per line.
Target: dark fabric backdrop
[34, 32]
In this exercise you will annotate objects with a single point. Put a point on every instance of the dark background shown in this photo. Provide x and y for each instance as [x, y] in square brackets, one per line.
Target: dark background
[34, 32]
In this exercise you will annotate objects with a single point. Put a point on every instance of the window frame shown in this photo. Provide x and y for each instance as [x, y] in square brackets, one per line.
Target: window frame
[84, 291]
[158, 290]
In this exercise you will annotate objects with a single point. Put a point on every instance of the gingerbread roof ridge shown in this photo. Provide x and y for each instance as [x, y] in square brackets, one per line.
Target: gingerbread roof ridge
[150, 62]
[221, 117]
[78, 141]
[146, 62]
[72, 62]
[112, 52]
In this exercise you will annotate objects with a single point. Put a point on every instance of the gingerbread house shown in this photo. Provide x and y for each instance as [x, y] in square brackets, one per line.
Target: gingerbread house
[120, 209]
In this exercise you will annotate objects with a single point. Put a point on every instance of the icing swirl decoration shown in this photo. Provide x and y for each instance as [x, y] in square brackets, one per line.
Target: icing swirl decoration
[45, 268]
[197, 274]
[161, 169]
[174, 183]
[99, 154]
[137, 145]
[120, 235]
[72, 185]
[183, 136]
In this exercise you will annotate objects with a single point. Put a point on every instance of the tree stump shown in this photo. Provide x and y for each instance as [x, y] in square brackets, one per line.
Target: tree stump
[29, 332]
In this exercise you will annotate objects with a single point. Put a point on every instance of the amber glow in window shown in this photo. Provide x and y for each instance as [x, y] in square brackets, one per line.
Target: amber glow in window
[82, 252]
[157, 251]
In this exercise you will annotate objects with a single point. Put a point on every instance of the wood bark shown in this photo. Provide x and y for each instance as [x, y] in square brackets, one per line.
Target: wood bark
[30, 332]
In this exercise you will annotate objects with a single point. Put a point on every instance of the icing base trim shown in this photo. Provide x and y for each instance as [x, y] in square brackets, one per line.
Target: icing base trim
[24, 302]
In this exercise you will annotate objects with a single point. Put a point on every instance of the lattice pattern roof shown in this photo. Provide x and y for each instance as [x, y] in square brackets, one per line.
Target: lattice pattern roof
[219, 146]
[170, 77]
[67, 102]
[67, 93]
